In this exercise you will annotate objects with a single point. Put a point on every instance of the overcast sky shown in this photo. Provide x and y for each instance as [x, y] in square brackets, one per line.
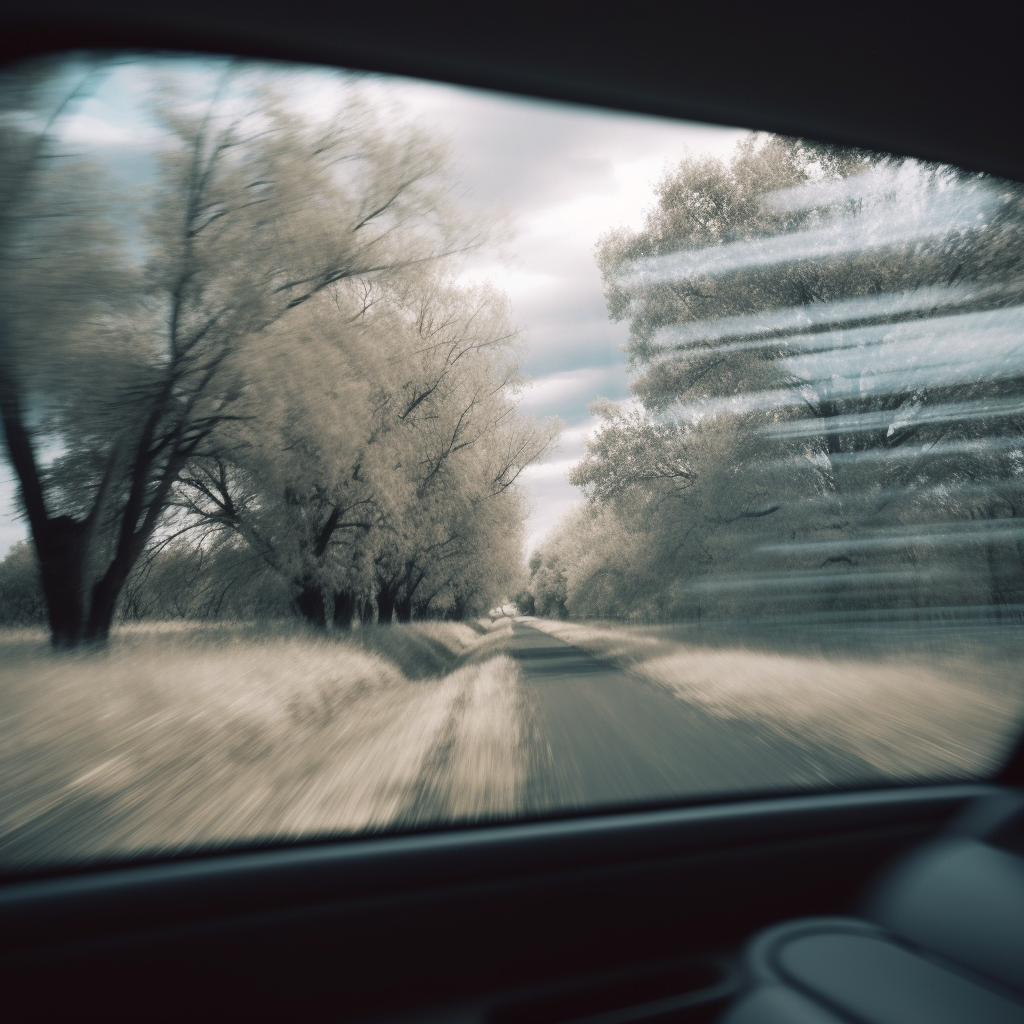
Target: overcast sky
[560, 176]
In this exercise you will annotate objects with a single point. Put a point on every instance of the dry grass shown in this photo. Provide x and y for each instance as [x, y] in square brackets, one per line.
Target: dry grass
[908, 712]
[182, 736]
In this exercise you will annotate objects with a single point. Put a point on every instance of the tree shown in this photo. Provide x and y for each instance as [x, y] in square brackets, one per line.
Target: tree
[176, 580]
[466, 446]
[386, 438]
[811, 331]
[21, 596]
[548, 567]
[256, 213]
[669, 505]
[58, 266]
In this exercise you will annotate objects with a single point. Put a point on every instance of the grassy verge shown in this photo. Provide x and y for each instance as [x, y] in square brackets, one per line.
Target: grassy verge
[183, 736]
[913, 705]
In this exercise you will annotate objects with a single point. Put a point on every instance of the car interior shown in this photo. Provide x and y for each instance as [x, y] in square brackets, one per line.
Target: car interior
[887, 905]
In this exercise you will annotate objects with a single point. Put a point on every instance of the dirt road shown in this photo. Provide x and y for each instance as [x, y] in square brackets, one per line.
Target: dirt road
[597, 736]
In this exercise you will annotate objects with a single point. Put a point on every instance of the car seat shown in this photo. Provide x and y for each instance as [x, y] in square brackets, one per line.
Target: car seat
[940, 939]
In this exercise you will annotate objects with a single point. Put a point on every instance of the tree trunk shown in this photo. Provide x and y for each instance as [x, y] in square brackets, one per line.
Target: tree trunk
[385, 605]
[344, 607]
[62, 575]
[1018, 575]
[310, 603]
[404, 607]
[61, 543]
[103, 604]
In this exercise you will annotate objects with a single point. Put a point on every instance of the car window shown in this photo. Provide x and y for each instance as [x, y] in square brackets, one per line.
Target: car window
[383, 455]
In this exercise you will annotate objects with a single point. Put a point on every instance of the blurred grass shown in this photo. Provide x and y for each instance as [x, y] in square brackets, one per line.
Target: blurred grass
[182, 736]
[185, 736]
[914, 700]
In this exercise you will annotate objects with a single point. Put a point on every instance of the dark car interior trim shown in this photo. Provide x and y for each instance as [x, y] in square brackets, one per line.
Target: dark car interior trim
[479, 917]
[921, 83]
[185, 889]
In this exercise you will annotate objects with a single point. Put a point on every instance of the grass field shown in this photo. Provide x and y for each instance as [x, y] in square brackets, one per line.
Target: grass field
[182, 736]
[914, 700]
[178, 736]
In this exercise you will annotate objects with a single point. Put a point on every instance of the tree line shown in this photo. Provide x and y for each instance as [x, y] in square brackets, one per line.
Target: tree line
[258, 386]
[827, 348]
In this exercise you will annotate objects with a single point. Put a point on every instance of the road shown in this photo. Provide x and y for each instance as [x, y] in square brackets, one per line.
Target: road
[160, 747]
[597, 736]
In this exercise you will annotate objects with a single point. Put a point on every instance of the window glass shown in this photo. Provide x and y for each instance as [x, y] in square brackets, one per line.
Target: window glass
[381, 455]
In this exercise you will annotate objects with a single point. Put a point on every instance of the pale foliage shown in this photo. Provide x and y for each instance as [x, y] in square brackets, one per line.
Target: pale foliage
[826, 347]
[270, 344]
[378, 451]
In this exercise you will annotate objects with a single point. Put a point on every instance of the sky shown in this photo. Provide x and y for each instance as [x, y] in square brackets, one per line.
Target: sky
[563, 176]
[558, 176]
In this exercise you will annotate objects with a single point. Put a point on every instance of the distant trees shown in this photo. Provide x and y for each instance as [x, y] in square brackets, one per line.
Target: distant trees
[548, 583]
[268, 357]
[829, 392]
[21, 597]
[383, 468]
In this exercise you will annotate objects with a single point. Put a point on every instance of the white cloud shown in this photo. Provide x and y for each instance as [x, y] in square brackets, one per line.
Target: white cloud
[568, 388]
[547, 471]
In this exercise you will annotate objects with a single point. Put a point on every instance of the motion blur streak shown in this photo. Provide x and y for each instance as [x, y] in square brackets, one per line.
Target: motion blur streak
[923, 713]
[184, 736]
[889, 208]
[187, 737]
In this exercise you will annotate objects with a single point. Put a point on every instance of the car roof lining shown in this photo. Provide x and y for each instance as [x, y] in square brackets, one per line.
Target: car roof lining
[929, 89]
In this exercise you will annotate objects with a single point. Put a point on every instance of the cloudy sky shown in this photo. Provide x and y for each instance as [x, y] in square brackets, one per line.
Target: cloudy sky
[563, 175]
[560, 176]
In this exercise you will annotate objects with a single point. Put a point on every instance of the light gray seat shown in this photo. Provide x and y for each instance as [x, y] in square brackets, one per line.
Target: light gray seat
[941, 940]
